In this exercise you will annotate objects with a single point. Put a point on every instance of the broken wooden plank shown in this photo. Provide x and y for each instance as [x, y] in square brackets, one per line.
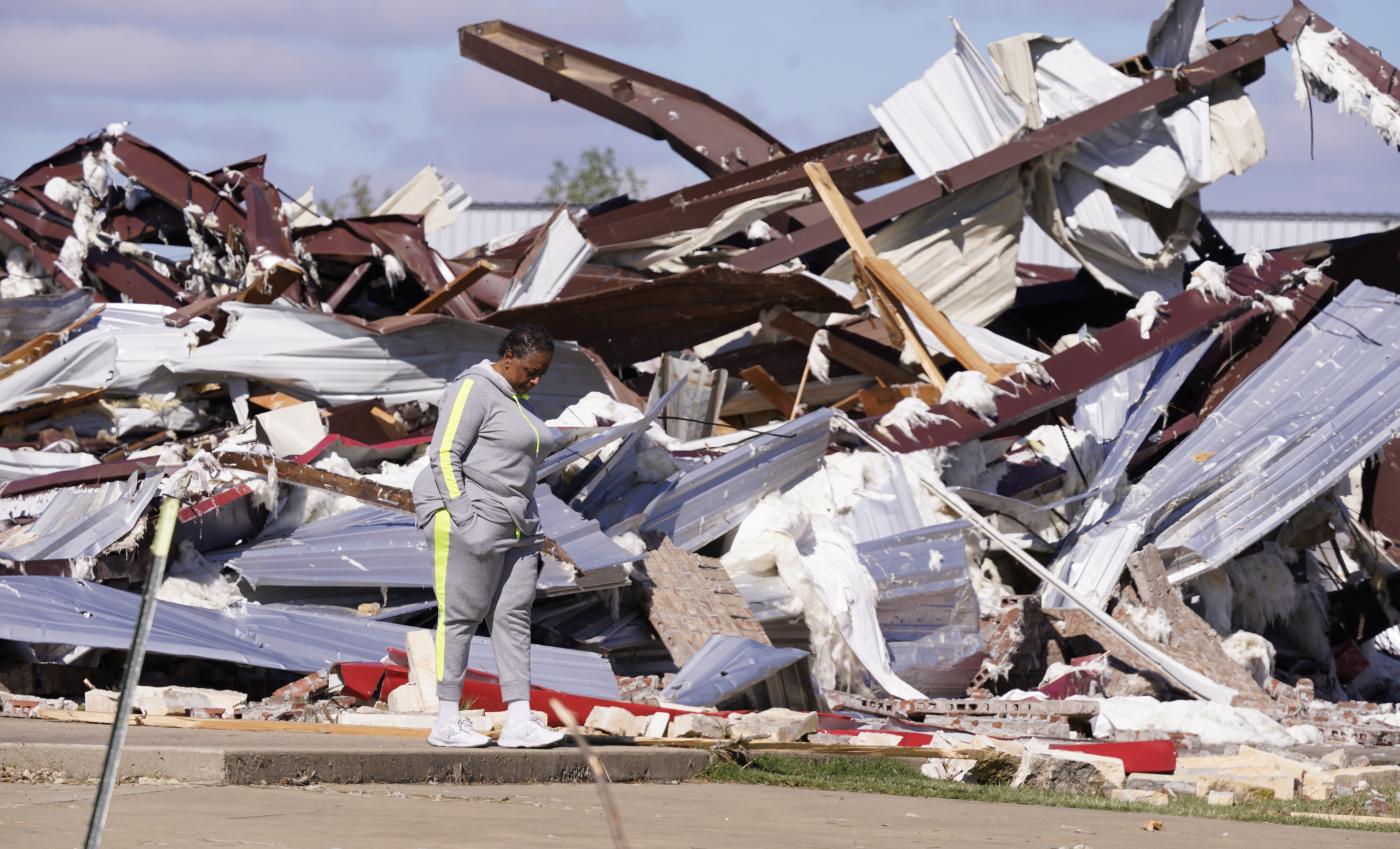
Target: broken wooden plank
[759, 378]
[300, 475]
[463, 281]
[878, 400]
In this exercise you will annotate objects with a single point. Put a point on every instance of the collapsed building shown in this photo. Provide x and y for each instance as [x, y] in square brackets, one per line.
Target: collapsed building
[820, 450]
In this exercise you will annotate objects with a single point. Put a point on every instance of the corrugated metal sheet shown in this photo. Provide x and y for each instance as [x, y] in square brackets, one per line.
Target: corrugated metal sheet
[954, 112]
[724, 666]
[374, 547]
[927, 606]
[37, 609]
[82, 521]
[1242, 230]
[1086, 566]
[703, 504]
[1327, 400]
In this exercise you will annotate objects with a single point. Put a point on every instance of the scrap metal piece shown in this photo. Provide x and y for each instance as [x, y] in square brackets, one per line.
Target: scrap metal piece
[711, 136]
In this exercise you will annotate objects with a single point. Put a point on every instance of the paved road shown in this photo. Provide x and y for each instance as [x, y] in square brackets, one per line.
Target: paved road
[553, 816]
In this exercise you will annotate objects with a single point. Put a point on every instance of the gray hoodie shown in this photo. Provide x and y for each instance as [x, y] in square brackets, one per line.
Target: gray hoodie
[481, 462]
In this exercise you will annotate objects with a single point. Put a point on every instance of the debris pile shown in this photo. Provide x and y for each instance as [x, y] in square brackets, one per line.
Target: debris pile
[833, 468]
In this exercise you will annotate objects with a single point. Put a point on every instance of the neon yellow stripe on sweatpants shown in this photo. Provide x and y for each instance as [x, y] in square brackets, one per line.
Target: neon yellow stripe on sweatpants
[442, 538]
[449, 474]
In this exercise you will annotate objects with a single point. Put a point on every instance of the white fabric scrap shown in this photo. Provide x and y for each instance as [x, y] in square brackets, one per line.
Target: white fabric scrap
[1209, 280]
[1149, 306]
[971, 391]
[1320, 70]
[1254, 258]
[908, 414]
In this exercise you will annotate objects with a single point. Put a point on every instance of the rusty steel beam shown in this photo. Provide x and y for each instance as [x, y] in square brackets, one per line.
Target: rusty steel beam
[862, 161]
[1075, 369]
[706, 133]
[637, 321]
[1247, 49]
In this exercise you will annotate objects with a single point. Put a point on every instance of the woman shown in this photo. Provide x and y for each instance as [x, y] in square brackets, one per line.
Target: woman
[476, 500]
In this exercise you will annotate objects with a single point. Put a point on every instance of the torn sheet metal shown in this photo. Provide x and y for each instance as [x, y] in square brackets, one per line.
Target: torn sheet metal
[927, 606]
[315, 355]
[1086, 560]
[1332, 67]
[1035, 144]
[725, 666]
[703, 504]
[1326, 401]
[429, 194]
[125, 350]
[40, 609]
[1102, 409]
[83, 521]
[586, 446]
[23, 319]
[375, 547]
[558, 254]
[954, 112]
[18, 464]
[668, 253]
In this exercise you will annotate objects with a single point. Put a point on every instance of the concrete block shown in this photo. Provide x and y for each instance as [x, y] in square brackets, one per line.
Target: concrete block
[778, 725]
[1160, 798]
[700, 725]
[1156, 783]
[1249, 761]
[948, 769]
[1336, 760]
[1220, 799]
[876, 738]
[1361, 777]
[656, 725]
[616, 722]
[1072, 772]
[409, 699]
[422, 667]
[1250, 786]
[166, 701]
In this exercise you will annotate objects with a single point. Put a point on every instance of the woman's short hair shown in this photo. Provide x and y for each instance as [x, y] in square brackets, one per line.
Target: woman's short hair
[526, 339]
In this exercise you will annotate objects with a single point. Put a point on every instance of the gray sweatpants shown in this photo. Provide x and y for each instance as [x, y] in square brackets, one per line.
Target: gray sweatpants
[479, 570]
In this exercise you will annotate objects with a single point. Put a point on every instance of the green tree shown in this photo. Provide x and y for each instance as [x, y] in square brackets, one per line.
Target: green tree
[596, 178]
[358, 201]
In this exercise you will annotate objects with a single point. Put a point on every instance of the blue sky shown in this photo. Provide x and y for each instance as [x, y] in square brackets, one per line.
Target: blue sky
[333, 88]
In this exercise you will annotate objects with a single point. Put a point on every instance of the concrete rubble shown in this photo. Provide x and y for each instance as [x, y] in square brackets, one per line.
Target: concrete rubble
[830, 467]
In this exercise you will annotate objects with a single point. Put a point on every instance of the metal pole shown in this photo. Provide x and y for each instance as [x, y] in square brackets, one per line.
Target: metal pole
[136, 656]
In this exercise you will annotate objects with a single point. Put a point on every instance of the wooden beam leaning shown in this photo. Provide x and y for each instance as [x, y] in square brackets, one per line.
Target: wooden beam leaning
[897, 323]
[438, 299]
[764, 383]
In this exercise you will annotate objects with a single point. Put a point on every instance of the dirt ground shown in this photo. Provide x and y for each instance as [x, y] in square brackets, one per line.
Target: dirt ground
[554, 815]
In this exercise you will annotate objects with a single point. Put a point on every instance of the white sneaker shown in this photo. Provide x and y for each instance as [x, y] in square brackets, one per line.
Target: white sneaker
[528, 734]
[458, 734]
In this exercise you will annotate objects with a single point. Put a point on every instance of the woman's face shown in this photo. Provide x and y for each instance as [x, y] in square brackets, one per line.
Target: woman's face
[524, 373]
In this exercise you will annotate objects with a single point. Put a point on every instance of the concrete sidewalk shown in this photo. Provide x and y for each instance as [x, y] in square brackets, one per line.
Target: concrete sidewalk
[275, 757]
[654, 817]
